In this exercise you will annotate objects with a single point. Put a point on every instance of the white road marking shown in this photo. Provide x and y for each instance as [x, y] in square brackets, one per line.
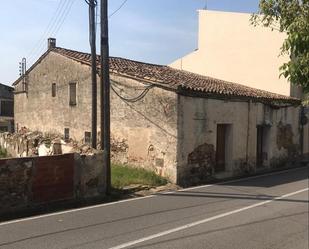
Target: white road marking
[193, 224]
[72, 210]
[139, 198]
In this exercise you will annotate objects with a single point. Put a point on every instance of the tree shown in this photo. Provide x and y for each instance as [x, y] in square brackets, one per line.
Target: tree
[291, 17]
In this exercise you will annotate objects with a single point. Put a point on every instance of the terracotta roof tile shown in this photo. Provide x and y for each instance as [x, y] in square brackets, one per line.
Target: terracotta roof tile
[174, 79]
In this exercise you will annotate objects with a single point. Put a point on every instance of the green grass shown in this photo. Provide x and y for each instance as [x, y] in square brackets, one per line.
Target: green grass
[124, 176]
[3, 153]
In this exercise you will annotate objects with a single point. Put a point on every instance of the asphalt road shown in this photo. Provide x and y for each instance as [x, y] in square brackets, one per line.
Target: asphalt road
[265, 212]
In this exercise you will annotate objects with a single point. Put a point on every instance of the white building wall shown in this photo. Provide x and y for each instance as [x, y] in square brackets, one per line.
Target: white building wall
[230, 48]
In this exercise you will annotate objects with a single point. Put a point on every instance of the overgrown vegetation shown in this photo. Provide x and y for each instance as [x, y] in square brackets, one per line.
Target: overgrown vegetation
[3, 153]
[124, 176]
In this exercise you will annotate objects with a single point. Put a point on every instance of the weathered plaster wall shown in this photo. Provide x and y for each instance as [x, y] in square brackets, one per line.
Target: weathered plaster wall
[38, 110]
[197, 132]
[148, 127]
[143, 133]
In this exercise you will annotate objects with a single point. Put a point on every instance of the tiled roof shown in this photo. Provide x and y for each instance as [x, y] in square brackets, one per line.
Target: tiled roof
[177, 80]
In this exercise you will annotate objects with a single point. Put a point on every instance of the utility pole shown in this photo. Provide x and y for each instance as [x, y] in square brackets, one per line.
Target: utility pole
[92, 39]
[105, 94]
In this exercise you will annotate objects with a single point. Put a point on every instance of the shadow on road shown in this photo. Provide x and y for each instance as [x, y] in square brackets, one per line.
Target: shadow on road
[218, 230]
[273, 180]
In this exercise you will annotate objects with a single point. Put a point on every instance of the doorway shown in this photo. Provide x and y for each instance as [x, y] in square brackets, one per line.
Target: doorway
[262, 145]
[223, 148]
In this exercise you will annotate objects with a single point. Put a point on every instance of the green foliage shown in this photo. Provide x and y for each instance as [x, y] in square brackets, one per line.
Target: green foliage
[3, 153]
[291, 17]
[124, 176]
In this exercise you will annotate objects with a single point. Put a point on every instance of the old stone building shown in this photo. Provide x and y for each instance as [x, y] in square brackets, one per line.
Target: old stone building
[250, 57]
[182, 125]
[6, 108]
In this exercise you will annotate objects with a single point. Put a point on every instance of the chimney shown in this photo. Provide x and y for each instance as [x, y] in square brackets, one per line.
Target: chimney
[51, 43]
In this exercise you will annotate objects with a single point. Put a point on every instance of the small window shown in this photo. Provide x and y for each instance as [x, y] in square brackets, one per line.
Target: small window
[72, 89]
[87, 137]
[66, 134]
[53, 89]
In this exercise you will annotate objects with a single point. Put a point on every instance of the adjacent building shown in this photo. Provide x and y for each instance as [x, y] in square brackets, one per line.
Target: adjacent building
[183, 125]
[232, 49]
[6, 108]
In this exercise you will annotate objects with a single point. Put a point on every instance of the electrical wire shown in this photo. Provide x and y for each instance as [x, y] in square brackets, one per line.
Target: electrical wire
[60, 22]
[145, 90]
[115, 11]
[134, 99]
[53, 24]
[50, 24]
[54, 27]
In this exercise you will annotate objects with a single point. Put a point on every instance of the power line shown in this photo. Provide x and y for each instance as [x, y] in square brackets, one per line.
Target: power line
[50, 24]
[57, 25]
[115, 11]
[134, 99]
[54, 28]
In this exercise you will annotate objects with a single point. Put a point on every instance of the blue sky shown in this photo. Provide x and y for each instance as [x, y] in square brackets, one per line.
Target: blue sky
[156, 31]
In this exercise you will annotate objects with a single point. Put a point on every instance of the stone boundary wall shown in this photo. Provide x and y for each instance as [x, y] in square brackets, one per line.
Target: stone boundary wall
[28, 182]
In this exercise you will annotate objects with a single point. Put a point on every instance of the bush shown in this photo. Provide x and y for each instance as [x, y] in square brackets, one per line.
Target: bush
[3, 153]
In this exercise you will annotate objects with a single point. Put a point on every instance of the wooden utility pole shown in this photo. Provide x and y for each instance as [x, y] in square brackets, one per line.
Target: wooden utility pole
[105, 94]
[92, 38]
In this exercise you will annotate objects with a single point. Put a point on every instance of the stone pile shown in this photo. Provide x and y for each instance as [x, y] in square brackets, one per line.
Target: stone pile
[26, 143]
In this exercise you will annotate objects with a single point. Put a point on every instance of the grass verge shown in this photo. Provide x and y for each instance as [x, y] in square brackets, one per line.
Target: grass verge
[124, 176]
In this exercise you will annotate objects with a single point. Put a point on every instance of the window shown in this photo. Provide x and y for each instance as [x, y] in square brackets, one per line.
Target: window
[87, 137]
[53, 89]
[66, 134]
[7, 108]
[72, 90]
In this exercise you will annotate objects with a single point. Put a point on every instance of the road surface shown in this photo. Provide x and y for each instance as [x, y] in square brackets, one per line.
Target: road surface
[264, 212]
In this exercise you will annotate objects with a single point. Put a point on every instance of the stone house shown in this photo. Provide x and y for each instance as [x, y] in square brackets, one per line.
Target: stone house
[6, 108]
[182, 125]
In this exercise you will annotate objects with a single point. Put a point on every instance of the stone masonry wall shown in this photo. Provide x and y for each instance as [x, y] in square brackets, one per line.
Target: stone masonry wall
[29, 182]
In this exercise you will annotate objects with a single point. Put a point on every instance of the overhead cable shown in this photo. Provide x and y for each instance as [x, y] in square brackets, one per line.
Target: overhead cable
[115, 11]
[134, 99]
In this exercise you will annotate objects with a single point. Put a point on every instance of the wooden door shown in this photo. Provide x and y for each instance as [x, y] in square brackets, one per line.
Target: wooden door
[220, 154]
